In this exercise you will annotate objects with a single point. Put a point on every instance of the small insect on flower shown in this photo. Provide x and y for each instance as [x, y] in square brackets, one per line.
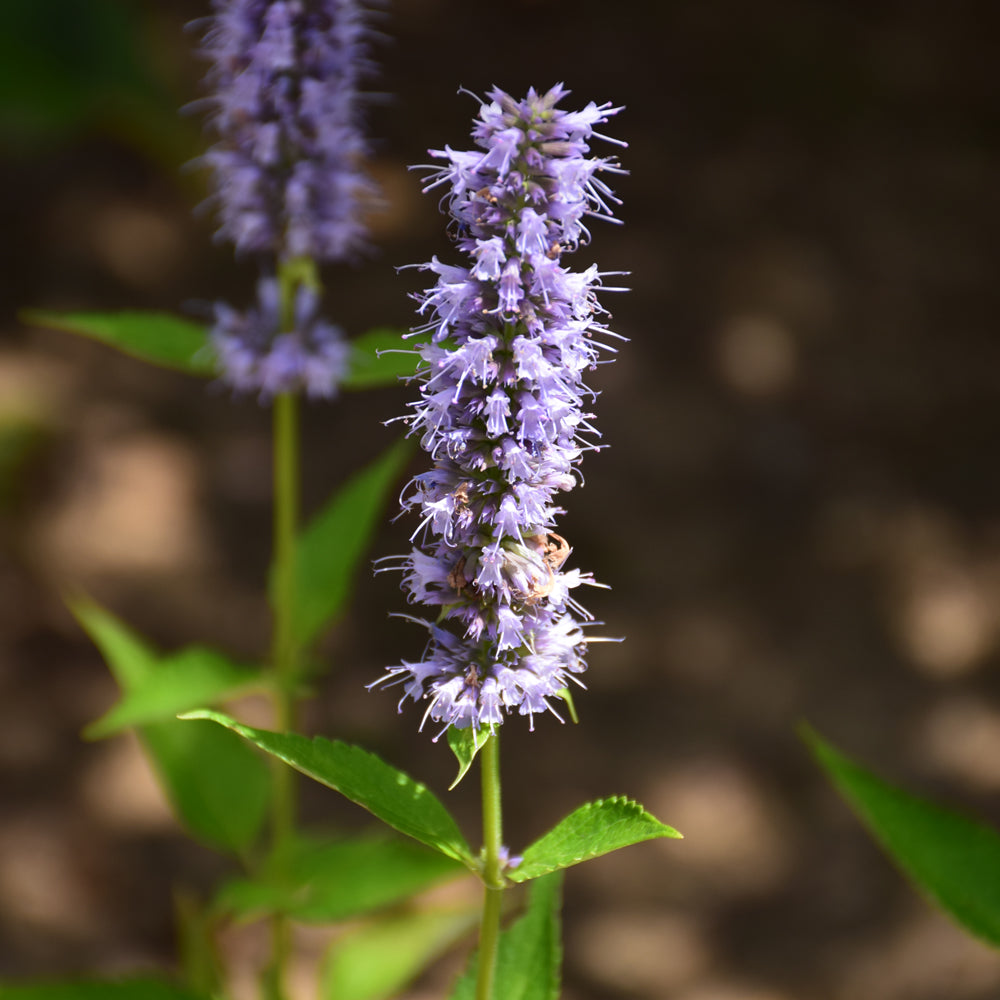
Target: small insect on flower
[456, 576]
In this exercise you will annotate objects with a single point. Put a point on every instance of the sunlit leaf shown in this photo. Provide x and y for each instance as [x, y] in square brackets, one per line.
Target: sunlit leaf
[465, 744]
[590, 831]
[567, 696]
[392, 796]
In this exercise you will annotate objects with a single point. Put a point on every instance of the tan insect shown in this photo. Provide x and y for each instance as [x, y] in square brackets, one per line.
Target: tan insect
[457, 579]
[555, 551]
[472, 679]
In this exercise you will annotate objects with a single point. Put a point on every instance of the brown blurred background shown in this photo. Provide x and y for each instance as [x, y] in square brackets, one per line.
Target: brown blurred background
[799, 513]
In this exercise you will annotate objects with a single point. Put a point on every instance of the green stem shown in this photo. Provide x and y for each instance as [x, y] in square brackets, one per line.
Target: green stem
[489, 930]
[284, 651]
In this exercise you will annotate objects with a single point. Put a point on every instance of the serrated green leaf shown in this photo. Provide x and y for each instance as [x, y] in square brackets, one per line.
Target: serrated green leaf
[392, 796]
[126, 989]
[217, 786]
[378, 960]
[590, 831]
[334, 542]
[951, 858]
[369, 370]
[529, 956]
[158, 338]
[189, 678]
[465, 744]
[326, 881]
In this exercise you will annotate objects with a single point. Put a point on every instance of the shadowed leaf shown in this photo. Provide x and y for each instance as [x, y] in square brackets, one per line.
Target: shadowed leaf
[529, 955]
[218, 787]
[369, 370]
[127, 989]
[183, 680]
[335, 541]
[158, 338]
[951, 858]
[379, 959]
[326, 881]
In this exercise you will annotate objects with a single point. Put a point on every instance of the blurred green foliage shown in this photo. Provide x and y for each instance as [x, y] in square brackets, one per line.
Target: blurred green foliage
[68, 67]
[21, 442]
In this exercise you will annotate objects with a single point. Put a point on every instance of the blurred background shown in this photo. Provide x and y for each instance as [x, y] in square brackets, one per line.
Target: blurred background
[799, 512]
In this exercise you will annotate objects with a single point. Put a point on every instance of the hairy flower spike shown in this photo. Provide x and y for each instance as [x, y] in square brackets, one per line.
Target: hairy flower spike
[257, 352]
[502, 414]
[284, 76]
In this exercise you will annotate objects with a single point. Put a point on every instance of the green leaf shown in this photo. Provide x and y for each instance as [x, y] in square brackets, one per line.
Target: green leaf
[529, 955]
[322, 882]
[159, 338]
[126, 989]
[378, 960]
[217, 786]
[392, 796]
[128, 656]
[188, 679]
[368, 370]
[567, 696]
[197, 955]
[953, 859]
[330, 548]
[590, 831]
[65, 68]
[465, 744]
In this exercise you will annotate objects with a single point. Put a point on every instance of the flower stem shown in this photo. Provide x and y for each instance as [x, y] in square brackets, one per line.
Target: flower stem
[284, 648]
[284, 655]
[489, 930]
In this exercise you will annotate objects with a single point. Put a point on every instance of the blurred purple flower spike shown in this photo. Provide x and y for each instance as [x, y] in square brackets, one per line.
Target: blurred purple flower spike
[257, 355]
[284, 105]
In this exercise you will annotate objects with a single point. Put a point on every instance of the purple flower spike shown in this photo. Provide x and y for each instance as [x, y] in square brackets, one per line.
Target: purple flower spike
[256, 354]
[284, 79]
[502, 414]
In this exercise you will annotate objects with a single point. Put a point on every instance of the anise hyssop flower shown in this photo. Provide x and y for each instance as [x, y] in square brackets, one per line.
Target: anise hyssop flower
[503, 414]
